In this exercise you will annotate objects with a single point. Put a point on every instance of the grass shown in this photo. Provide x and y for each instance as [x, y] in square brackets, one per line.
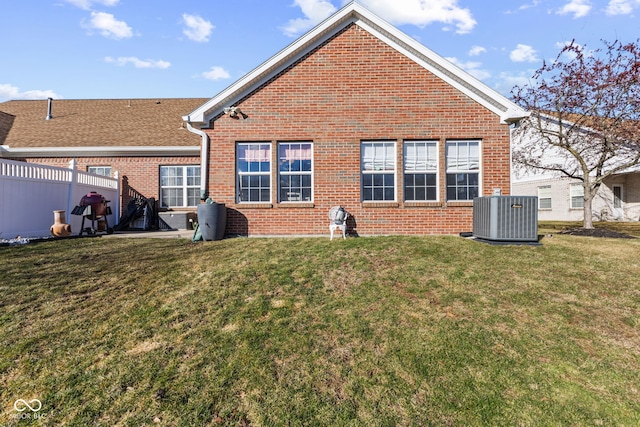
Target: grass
[380, 331]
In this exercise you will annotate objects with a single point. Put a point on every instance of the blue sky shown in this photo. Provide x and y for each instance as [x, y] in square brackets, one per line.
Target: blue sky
[93, 49]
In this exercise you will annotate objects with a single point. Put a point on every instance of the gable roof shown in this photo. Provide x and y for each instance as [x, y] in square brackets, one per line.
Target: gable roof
[97, 127]
[355, 13]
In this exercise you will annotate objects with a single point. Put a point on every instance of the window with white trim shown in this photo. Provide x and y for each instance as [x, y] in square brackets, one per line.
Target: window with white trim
[420, 170]
[295, 168]
[463, 170]
[179, 186]
[253, 165]
[576, 194]
[378, 164]
[544, 197]
[99, 170]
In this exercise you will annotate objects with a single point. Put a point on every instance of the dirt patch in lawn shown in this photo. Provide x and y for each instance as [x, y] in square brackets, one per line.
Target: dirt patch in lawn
[596, 232]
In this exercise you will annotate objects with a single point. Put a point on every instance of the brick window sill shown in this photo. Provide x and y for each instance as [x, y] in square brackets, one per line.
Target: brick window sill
[305, 205]
[241, 206]
[423, 204]
[380, 204]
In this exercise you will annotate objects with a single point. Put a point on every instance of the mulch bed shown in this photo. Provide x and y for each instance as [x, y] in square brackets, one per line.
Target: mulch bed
[596, 232]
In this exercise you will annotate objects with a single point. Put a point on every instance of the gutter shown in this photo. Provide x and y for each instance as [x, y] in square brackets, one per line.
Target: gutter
[204, 158]
[9, 152]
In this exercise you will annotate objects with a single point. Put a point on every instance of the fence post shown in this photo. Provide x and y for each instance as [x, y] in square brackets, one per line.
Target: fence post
[116, 175]
[72, 186]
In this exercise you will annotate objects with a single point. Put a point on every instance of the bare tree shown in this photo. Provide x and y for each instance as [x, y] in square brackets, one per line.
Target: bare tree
[585, 116]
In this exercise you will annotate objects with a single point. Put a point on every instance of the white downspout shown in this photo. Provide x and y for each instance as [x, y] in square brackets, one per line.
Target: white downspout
[204, 159]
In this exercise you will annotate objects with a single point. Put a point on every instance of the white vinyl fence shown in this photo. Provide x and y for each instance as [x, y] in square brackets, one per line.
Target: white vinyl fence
[29, 193]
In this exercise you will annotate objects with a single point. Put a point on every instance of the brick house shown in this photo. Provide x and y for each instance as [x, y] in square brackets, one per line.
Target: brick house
[354, 113]
[144, 140]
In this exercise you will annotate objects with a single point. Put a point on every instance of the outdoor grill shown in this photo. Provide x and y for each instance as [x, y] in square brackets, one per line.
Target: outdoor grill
[95, 208]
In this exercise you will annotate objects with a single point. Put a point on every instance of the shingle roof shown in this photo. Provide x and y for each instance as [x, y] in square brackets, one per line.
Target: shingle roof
[97, 123]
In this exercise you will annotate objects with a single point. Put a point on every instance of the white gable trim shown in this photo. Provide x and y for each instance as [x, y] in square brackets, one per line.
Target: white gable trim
[365, 19]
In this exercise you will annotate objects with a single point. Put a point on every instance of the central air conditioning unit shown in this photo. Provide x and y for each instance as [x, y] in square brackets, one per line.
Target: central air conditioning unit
[506, 218]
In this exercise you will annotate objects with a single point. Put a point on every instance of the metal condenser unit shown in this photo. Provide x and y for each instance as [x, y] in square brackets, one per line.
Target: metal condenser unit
[506, 218]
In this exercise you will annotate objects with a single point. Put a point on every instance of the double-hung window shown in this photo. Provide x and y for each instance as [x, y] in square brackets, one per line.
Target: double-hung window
[378, 165]
[576, 193]
[544, 197]
[100, 170]
[253, 164]
[179, 186]
[295, 172]
[463, 170]
[420, 171]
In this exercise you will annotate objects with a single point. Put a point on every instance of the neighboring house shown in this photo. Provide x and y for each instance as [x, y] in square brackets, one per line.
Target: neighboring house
[560, 198]
[143, 140]
[358, 114]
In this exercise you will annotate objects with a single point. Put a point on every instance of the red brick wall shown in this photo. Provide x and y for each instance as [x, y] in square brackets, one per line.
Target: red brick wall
[354, 88]
[137, 174]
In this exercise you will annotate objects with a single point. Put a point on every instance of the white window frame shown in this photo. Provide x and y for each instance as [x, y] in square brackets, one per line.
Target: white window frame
[383, 162]
[544, 194]
[414, 164]
[463, 163]
[261, 172]
[186, 186]
[576, 196]
[99, 170]
[287, 168]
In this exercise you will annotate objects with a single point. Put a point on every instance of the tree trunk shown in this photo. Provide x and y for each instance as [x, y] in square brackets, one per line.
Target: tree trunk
[588, 205]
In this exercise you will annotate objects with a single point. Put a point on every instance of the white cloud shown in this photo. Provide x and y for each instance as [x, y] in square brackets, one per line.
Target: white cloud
[399, 12]
[138, 63]
[471, 67]
[523, 53]
[579, 8]
[86, 4]
[477, 50]
[216, 73]
[506, 82]
[108, 26]
[197, 28]
[421, 13]
[315, 11]
[8, 91]
[622, 7]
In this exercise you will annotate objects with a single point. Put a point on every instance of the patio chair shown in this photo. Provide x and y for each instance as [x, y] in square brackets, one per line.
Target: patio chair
[338, 219]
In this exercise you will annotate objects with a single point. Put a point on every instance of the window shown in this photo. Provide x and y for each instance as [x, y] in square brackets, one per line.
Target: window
[296, 171]
[420, 170]
[179, 186]
[254, 172]
[463, 170]
[100, 170]
[378, 162]
[576, 192]
[544, 197]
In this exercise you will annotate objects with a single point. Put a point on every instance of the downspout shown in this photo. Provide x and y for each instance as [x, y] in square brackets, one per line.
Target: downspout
[204, 159]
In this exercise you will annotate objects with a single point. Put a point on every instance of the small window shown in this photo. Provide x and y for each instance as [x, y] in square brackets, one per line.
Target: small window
[253, 164]
[544, 197]
[378, 163]
[100, 170]
[295, 170]
[463, 170]
[576, 192]
[179, 186]
[420, 170]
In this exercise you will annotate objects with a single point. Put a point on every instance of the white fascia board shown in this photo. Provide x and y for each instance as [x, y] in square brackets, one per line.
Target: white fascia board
[8, 152]
[270, 68]
[507, 110]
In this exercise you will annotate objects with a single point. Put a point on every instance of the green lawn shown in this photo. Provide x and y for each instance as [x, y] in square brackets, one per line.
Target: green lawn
[380, 331]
